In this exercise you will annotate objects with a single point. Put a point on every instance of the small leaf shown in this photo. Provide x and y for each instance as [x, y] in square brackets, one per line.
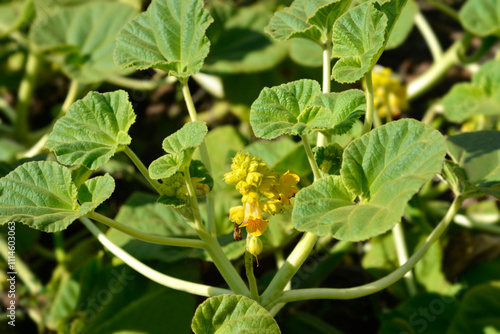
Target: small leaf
[358, 39]
[347, 107]
[93, 129]
[228, 314]
[480, 97]
[329, 158]
[170, 36]
[287, 109]
[482, 18]
[43, 196]
[165, 166]
[479, 155]
[86, 34]
[384, 168]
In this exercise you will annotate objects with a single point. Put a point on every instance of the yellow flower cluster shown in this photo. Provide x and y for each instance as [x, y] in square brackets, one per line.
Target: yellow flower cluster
[389, 92]
[255, 181]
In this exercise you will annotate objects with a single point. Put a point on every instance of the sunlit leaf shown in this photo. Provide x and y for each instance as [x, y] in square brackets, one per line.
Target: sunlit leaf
[228, 314]
[43, 196]
[86, 35]
[93, 129]
[170, 36]
[384, 169]
[481, 17]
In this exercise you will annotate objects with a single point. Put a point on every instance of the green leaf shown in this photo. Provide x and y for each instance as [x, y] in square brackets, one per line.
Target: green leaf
[480, 97]
[482, 18]
[288, 109]
[384, 168]
[478, 153]
[478, 312]
[228, 314]
[358, 40]
[242, 46]
[403, 25]
[93, 129]
[312, 20]
[392, 10]
[180, 146]
[347, 107]
[86, 35]
[43, 196]
[170, 36]
[13, 14]
[329, 158]
[306, 53]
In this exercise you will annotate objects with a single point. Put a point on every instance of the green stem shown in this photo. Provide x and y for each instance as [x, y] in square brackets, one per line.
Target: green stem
[144, 171]
[369, 102]
[205, 158]
[469, 223]
[370, 288]
[26, 89]
[71, 96]
[402, 253]
[327, 82]
[438, 69]
[429, 36]
[7, 110]
[155, 276]
[310, 156]
[170, 241]
[59, 248]
[252, 282]
[136, 84]
[30, 280]
[289, 268]
[440, 5]
[193, 202]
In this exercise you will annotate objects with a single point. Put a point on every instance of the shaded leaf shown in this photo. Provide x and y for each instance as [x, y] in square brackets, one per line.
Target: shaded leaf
[228, 314]
[482, 18]
[86, 35]
[170, 36]
[43, 196]
[93, 129]
[384, 168]
[403, 25]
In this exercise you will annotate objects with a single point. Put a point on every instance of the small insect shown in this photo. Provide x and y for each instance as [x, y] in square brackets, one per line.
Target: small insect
[237, 233]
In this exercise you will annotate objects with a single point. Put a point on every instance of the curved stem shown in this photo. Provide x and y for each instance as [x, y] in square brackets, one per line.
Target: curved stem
[165, 280]
[26, 89]
[429, 36]
[252, 282]
[439, 4]
[465, 221]
[211, 225]
[144, 171]
[7, 110]
[369, 102]
[70, 96]
[137, 84]
[402, 253]
[170, 241]
[310, 156]
[370, 288]
[327, 82]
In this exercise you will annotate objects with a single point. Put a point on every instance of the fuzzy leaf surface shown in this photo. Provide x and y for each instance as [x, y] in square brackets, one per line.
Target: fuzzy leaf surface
[92, 129]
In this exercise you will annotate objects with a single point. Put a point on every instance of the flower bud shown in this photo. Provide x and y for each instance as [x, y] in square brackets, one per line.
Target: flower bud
[254, 246]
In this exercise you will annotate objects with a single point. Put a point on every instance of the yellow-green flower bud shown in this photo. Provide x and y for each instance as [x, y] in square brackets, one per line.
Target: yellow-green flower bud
[254, 245]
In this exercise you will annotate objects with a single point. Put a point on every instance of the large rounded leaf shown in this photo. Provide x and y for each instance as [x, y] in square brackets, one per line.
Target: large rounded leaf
[93, 129]
[87, 34]
[43, 196]
[228, 314]
[481, 17]
[170, 36]
[384, 169]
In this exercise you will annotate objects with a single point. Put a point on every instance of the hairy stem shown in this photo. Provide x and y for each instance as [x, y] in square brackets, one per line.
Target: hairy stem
[155, 276]
[369, 102]
[252, 282]
[144, 171]
[310, 157]
[429, 36]
[370, 288]
[170, 241]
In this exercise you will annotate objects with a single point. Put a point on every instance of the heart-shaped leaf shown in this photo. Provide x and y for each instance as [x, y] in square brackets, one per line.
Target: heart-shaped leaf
[358, 39]
[288, 109]
[170, 36]
[228, 314]
[384, 168]
[480, 97]
[478, 153]
[180, 147]
[307, 19]
[482, 18]
[93, 129]
[86, 34]
[43, 196]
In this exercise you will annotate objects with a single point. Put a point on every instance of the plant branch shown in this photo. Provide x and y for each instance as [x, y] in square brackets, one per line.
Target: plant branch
[327, 82]
[465, 221]
[440, 5]
[402, 253]
[144, 171]
[369, 102]
[165, 280]
[429, 36]
[252, 282]
[310, 156]
[7, 110]
[169, 241]
[193, 203]
[137, 84]
[370, 288]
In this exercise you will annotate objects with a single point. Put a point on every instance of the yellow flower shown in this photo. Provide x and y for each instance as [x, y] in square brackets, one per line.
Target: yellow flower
[237, 214]
[271, 207]
[285, 187]
[253, 219]
[389, 92]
